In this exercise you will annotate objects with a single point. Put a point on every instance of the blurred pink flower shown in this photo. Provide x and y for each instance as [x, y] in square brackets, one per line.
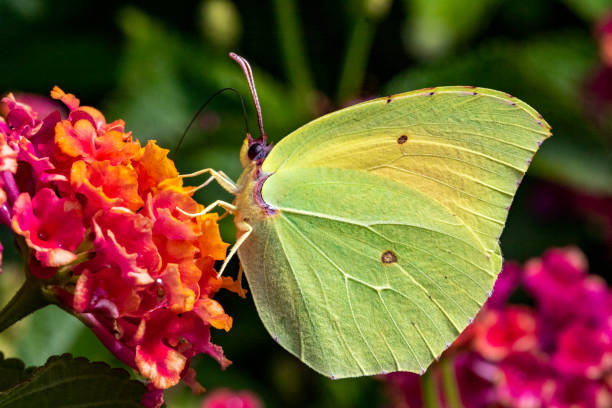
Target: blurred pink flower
[501, 332]
[525, 380]
[226, 398]
[584, 349]
[580, 392]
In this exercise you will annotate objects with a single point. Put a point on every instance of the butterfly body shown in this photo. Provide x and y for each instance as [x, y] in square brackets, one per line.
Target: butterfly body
[373, 232]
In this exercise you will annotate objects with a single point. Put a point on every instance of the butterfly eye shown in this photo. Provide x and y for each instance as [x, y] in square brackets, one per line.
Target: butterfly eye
[254, 150]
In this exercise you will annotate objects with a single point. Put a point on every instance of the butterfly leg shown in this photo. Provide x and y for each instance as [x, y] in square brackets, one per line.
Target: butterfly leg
[230, 208]
[234, 248]
[242, 292]
[223, 179]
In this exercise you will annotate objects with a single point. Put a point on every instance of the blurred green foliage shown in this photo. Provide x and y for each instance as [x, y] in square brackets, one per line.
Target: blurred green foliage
[153, 64]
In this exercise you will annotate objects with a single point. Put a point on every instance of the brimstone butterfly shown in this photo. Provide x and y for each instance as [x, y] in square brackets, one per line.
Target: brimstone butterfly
[370, 236]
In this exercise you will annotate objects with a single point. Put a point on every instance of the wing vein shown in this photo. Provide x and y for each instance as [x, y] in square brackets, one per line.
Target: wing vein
[290, 223]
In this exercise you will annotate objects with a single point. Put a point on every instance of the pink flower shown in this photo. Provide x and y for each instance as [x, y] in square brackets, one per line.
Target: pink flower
[52, 226]
[126, 240]
[580, 392]
[475, 378]
[166, 341]
[97, 217]
[225, 398]
[584, 350]
[559, 283]
[525, 380]
[21, 119]
[501, 332]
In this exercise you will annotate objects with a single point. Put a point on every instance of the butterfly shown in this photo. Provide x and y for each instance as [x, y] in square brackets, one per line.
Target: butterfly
[370, 236]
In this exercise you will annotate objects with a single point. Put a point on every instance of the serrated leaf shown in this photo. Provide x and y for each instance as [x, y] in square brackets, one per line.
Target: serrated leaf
[12, 371]
[66, 381]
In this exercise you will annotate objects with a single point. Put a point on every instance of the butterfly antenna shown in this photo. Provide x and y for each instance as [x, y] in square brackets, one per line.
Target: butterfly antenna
[246, 68]
[244, 115]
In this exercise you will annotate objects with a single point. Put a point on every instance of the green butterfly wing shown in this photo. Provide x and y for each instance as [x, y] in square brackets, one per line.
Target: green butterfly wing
[384, 240]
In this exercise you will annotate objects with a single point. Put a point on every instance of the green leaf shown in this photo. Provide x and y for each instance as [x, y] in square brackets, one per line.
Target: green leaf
[67, 381]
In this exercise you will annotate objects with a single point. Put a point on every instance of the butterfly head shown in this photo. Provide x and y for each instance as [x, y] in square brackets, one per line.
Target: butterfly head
[253, 150]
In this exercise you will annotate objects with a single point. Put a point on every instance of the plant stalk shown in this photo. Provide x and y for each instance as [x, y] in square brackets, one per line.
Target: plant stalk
[27, 300]
[449, 382]
[356, 58]
[292, 47]
[119, 350]
[429, 390]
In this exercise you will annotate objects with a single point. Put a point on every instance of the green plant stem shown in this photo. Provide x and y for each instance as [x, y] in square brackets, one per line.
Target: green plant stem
[27, 300]
[429, 390]
[356, 58]
[292, 48]
[449, 381]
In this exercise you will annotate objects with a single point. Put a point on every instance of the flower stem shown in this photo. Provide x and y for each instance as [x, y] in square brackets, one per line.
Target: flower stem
[429, 390]
[449, 382]
[27, 300]
[119, 350]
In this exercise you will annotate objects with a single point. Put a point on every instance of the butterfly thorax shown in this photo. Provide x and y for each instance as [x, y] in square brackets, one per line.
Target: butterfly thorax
[249, 201]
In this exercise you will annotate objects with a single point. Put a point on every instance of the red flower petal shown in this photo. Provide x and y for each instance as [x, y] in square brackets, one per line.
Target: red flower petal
[125, 239]
[52, 226]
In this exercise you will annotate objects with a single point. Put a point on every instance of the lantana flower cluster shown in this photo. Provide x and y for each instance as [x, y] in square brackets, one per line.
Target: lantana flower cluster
[556, 354]
[98, 221]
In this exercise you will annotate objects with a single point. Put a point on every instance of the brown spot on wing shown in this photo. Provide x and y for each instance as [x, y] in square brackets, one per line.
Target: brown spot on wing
[388, 257]
[402, 139]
